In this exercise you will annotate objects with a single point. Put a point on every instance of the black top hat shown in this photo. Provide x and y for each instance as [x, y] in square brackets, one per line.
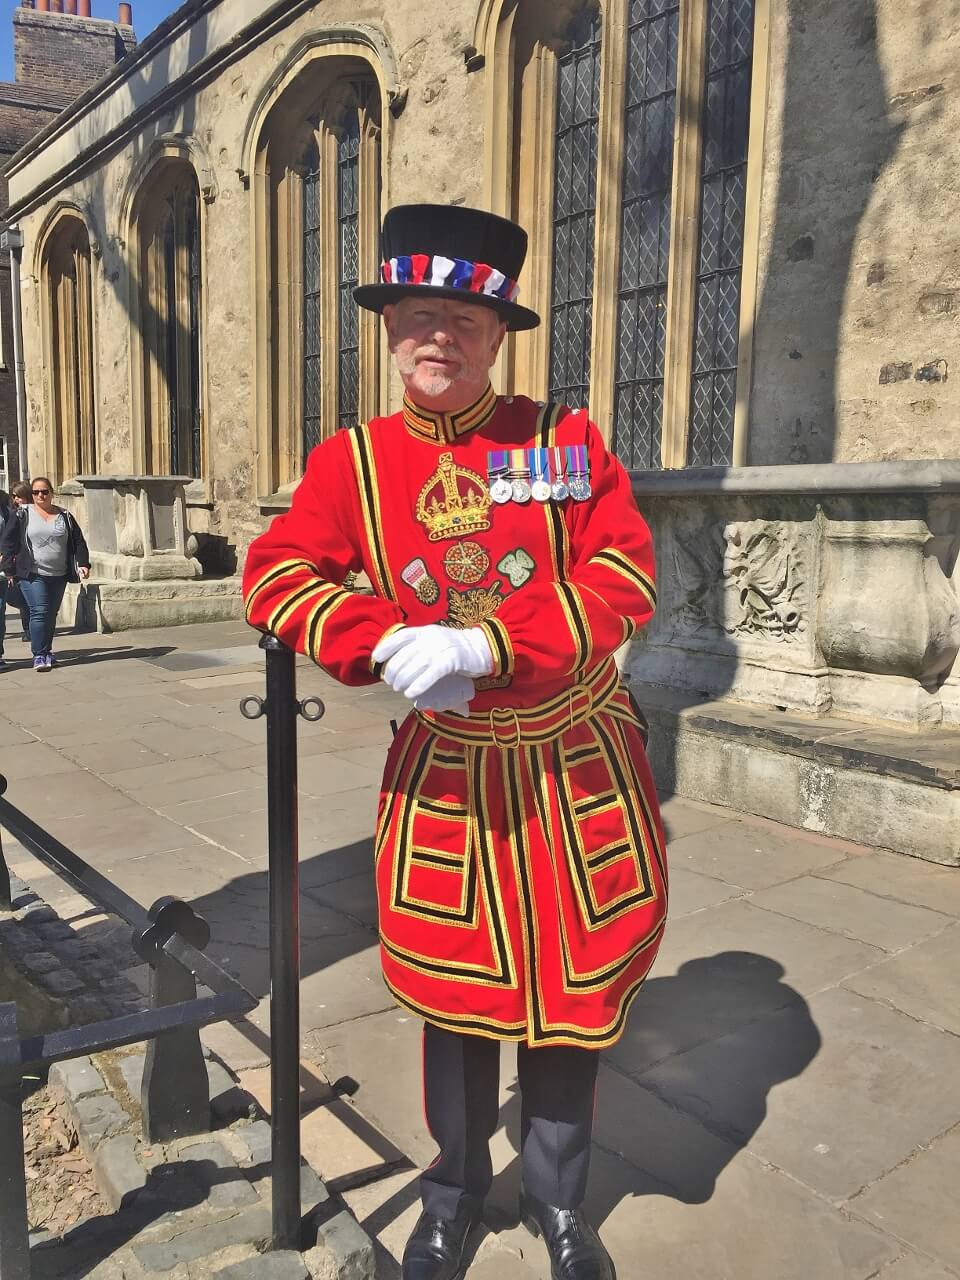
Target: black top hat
[450, 251]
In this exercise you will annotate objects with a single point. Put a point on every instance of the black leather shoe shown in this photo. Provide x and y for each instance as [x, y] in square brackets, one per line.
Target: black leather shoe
[436, 1248]
[576, 1251]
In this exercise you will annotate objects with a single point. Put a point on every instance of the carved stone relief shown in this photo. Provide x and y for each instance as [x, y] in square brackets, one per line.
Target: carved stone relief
[747, 578]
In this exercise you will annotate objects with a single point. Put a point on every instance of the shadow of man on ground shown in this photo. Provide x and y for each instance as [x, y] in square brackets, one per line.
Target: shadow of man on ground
[686, 1088]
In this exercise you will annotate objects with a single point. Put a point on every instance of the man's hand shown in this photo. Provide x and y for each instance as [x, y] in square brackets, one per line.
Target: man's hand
[417, 657]
[452, 693]
[84, 572]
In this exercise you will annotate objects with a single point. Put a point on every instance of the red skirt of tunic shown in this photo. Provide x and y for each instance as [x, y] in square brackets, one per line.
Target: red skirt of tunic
[520, 868]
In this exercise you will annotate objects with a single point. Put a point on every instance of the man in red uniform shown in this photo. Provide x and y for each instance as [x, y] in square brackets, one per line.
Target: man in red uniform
[519, 853]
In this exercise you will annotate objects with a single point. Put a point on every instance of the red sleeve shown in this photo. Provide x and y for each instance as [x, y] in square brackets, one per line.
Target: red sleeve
[552, 629]
[294, 571]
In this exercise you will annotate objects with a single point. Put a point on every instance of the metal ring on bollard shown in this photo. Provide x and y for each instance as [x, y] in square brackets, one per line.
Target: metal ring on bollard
[258, 704]
[316, 712]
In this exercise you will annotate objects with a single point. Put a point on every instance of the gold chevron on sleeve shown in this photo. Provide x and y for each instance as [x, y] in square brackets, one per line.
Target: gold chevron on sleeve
[289, 603]
[576, 619]
[369, 490]
[499, 640]
[274, 574]
[619, 563]
[327, 604]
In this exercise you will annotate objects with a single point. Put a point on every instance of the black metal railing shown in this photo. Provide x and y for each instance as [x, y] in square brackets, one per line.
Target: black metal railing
[170, 937]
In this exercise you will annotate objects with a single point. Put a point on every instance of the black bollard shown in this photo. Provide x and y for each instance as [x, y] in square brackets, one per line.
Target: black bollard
[281, 711]
[14, 1238]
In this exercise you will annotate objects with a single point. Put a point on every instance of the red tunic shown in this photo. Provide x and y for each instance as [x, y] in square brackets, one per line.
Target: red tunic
[520, 864]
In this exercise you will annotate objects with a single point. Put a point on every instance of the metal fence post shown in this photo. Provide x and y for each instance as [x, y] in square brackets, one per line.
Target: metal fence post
[14, 1237]
[175, 1090]
[282, 709]
[6, 898]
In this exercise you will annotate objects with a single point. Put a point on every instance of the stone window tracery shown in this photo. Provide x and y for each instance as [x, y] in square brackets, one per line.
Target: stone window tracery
[651, 325]
[169, 272]
[318, 164]
[69, 321]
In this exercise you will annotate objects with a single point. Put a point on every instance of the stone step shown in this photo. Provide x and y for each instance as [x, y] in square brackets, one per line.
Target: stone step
[854, 779]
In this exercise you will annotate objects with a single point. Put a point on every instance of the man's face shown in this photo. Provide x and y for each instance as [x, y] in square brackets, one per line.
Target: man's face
[444, 349]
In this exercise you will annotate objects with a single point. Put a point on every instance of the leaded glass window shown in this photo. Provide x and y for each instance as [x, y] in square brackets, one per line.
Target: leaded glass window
[180, 346]
[348, 225]
[726, 119]
[574, 202]
[312, 399]
[649, 115]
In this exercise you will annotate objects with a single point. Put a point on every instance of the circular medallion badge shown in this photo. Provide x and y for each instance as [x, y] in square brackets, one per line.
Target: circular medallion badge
[466, 562]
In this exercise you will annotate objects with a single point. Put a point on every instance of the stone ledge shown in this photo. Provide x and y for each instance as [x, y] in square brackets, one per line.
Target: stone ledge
[900, 477]
[930, 757]
[892, 789]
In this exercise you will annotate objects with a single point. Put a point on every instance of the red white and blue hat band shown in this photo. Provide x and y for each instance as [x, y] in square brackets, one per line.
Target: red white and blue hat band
[438, 272]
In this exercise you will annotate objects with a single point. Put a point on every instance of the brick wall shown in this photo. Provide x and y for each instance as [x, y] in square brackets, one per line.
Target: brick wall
[58, 50]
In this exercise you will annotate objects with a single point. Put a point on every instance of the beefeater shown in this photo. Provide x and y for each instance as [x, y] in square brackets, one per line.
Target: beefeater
[520, 867]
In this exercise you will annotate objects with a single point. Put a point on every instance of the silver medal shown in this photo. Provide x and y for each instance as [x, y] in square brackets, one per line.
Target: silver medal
[559, 491]
[521, 491]
[540, 491]
[580, 489]
[501, 490]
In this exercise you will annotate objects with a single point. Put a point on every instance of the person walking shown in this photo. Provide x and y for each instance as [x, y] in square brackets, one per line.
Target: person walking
[21, 497]
[6, 506]
[45, 548]
[519, 853]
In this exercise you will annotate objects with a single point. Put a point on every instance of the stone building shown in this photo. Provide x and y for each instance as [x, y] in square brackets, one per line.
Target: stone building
[57, 53]
[745, 242]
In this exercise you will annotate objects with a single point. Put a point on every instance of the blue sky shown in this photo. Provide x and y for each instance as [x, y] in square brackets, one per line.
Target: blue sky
[146, 15]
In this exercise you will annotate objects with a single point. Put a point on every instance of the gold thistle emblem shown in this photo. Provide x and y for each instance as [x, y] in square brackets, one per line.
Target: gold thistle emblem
[470, 608]
[454, 502]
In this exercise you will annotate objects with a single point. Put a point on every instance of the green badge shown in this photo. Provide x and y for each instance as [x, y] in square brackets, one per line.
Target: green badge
[517, 566]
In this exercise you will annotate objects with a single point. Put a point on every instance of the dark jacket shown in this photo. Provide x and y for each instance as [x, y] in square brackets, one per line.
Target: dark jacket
[15, 555]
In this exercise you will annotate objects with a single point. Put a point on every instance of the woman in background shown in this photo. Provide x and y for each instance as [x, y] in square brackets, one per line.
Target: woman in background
[46, 549]
[20, 493]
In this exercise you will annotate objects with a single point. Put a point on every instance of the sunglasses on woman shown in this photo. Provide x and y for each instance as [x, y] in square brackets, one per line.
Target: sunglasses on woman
[40, 493]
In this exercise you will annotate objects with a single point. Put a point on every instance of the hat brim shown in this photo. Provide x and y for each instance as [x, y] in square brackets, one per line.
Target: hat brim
[374, 297]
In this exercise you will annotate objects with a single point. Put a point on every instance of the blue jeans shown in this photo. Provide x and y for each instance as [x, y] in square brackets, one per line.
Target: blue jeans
[44, 596]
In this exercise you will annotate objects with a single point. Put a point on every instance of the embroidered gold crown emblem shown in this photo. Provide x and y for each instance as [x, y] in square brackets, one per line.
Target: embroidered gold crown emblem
[453, 502]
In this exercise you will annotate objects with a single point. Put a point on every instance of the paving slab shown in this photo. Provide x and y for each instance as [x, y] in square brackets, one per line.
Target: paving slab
[891, 875]
[723, 968]
[917, 1202]
[687, 817]
[353, 896]
[383, 1053]
[690, 891]
[751, 855]
[921, 981]
[803, 1087]
[758, 1224]
[911, 1266]
[158, 777]
[852, 912]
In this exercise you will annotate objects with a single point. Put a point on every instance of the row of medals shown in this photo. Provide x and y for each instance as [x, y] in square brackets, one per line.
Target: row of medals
[540, 476]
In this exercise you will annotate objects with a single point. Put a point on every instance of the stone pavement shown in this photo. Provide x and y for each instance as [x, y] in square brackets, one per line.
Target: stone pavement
[784, 1101]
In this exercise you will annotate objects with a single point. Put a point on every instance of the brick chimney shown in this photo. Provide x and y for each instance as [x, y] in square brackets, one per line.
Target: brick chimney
[57, 43]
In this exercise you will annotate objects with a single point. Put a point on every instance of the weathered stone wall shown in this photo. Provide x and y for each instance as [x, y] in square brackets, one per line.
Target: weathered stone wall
[424, 164]
[859, 299]
[858, 255]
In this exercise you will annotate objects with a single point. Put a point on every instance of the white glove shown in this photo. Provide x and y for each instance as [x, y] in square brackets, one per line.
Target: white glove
[452, 693]
[417, 657]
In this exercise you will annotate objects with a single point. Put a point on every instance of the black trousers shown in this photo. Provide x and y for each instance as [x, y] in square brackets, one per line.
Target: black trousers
[461, 1084]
